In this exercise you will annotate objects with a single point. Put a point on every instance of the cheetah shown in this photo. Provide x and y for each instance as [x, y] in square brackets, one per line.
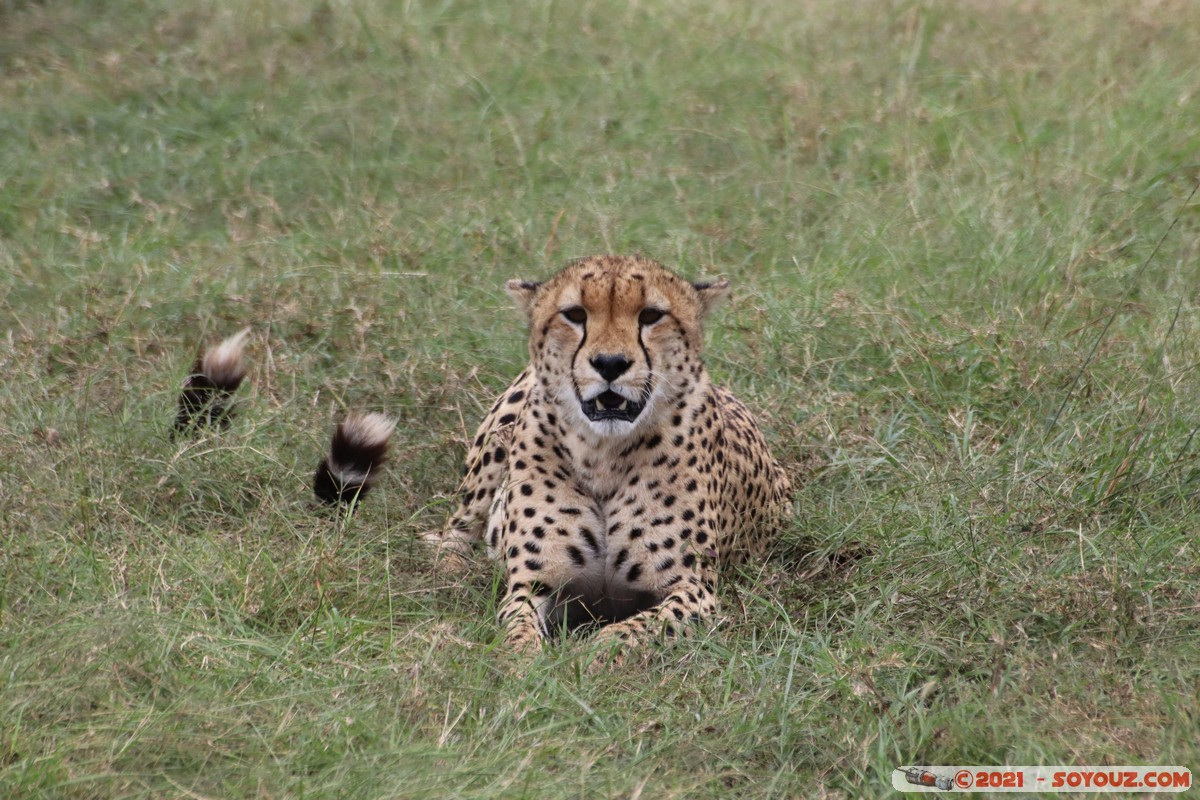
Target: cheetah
[612, 478]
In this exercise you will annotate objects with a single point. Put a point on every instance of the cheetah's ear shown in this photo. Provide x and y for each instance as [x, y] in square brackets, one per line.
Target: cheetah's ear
[522, 293]
[710, 294]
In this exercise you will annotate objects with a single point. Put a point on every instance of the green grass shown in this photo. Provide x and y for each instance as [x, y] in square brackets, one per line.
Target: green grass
[932, 213]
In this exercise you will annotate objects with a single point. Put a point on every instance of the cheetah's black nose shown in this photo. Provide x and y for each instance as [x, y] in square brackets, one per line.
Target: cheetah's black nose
[610, 366]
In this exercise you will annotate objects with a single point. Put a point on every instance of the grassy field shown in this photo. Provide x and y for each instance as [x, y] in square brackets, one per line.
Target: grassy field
[966, 260]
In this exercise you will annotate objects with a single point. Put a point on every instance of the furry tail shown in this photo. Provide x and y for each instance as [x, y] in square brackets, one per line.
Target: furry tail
[216, 375]
[358, 450]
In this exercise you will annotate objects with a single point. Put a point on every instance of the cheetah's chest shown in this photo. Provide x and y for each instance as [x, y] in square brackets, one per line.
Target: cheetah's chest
[598, 545]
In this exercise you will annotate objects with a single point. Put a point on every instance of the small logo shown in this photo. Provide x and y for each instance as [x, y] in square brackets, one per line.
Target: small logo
[919, 776]
[1045, 778]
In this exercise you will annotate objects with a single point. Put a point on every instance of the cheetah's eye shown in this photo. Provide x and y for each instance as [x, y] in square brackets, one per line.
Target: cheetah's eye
[575, 314]
[649, 316]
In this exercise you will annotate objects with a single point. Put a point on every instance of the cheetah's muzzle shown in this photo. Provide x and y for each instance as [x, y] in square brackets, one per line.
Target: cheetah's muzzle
[610, 405]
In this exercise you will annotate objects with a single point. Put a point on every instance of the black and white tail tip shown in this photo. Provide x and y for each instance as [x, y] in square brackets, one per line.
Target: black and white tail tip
[355, 457]
[208, 390]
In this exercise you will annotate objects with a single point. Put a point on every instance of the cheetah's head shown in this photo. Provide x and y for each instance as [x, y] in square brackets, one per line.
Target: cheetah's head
[616, 340]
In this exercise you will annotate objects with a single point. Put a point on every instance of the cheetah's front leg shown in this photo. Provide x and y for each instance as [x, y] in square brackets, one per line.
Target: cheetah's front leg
[519, 614]
[545, 532]
[692, 602]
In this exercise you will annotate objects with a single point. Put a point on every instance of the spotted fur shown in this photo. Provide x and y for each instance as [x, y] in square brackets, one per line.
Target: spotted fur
[597, 518]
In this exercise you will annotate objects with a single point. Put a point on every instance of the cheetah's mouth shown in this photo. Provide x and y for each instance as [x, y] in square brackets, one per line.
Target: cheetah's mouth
[610, 405]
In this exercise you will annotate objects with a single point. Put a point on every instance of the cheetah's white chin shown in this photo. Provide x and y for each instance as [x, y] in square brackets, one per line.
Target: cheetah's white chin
[612, 428]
